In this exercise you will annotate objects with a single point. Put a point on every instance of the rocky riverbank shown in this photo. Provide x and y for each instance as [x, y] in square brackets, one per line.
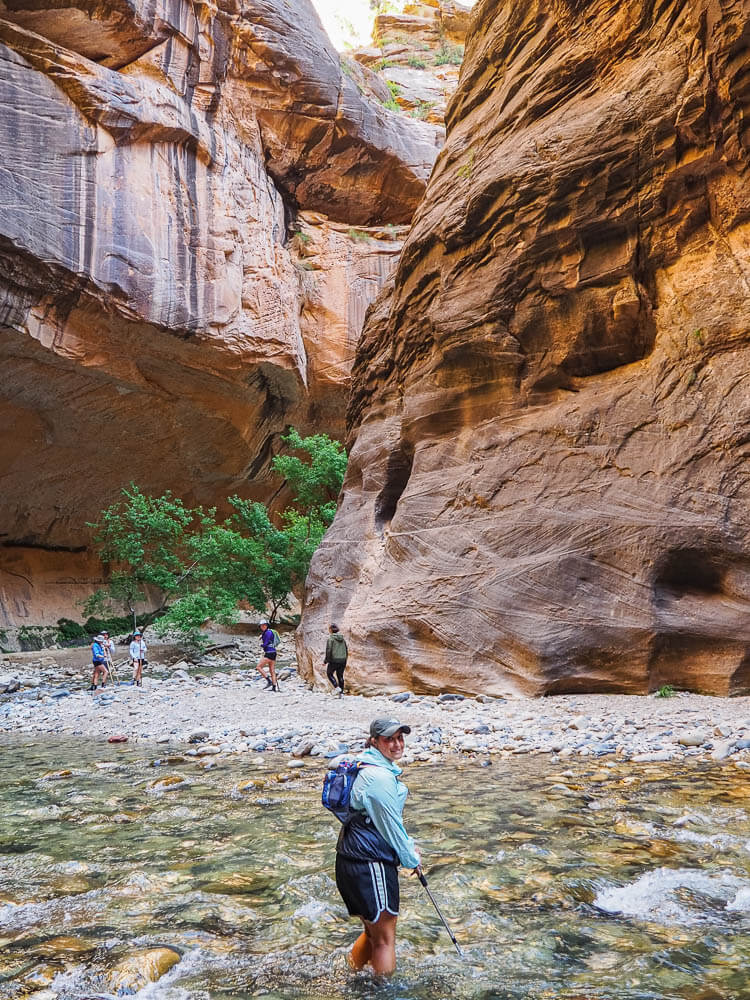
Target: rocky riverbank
[219, 705]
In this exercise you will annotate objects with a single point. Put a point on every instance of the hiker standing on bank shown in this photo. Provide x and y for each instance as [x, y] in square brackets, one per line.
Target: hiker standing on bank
[371, 846]
[109, 649]
[336, 657]
[98, 661]
[138, 649]
[270, 640]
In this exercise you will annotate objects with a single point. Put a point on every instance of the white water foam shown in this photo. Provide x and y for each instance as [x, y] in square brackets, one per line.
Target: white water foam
[654, 896]
[741, 902]
[55, 912]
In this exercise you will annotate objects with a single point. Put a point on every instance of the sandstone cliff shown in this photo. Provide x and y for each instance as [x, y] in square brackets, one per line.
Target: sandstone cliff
[159, 321]
[549, 481]
[418, 53]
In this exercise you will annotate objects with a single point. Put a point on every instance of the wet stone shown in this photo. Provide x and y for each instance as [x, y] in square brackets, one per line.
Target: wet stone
[133, 973]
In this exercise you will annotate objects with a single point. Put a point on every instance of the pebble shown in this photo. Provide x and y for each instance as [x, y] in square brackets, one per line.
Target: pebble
[692, 738]
[722, 750]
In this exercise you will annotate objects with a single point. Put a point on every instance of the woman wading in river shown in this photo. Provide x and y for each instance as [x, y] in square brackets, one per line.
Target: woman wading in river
[371, 846]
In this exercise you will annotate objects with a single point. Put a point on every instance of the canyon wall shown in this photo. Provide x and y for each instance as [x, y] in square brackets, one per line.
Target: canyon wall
[550, 423]
[160, 320]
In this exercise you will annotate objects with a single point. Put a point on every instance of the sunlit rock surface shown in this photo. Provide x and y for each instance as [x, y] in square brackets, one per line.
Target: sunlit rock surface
[158, 324]
[418, 54]
[549, 481]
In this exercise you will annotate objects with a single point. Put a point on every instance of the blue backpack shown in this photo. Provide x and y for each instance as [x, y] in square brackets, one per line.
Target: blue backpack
[337, 788]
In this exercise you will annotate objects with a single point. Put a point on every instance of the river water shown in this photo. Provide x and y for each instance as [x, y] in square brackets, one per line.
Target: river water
[569, 881]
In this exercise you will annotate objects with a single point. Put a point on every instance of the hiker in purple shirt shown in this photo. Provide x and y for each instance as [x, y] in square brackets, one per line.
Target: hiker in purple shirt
[270, 640]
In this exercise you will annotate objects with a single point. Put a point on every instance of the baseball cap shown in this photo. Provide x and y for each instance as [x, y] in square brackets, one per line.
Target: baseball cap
[263, 621]
[387, 727]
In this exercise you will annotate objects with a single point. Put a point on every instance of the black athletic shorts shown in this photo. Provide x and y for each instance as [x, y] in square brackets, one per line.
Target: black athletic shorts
[367, 887]
[270, 655]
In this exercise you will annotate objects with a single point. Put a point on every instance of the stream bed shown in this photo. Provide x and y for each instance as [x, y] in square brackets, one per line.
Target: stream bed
[577, 880]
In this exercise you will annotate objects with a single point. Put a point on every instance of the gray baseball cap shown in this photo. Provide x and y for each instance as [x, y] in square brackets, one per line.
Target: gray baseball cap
[387, 727]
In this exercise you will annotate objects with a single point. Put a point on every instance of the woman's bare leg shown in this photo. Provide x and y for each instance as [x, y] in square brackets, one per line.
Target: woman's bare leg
[376, 945]
[361, 952]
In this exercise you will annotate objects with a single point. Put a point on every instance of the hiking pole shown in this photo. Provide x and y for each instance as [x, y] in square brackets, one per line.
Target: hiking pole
[423, 880]
[113, 670]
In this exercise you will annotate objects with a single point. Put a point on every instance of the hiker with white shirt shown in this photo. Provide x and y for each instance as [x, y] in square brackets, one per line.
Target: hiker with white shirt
[138, 649]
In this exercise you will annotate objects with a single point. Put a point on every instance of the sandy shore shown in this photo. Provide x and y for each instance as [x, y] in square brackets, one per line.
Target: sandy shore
[220, 706]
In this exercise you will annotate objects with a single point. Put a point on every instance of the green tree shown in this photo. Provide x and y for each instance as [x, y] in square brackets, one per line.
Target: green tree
[203, 568]
[149, 543]
[315, 482]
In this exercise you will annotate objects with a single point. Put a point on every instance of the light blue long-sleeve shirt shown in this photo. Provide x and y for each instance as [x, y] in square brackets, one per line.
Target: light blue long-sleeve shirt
[378, 792]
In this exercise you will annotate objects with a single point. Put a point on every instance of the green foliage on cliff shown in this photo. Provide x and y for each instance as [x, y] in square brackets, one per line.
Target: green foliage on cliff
[203, 567]
[448, 54]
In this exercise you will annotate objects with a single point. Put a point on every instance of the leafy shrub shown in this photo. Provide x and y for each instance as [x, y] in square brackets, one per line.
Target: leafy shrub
[465, 170]
[665, 691]
[32, 638]
[422, 110]
[448, 54]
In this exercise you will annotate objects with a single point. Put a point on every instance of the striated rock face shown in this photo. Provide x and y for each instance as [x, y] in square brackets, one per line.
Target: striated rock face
[549, 482]
[342, 269]
[157, 324]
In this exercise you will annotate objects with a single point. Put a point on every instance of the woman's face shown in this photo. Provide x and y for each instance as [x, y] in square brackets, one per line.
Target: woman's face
[391, 747]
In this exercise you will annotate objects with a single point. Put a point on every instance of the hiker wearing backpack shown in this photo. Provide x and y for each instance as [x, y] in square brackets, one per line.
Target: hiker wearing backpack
[335, 659]
[270, 640]
[373, 843]
[98, 661]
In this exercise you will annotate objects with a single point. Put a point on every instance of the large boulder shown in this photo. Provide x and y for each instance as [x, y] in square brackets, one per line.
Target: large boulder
[549, 479]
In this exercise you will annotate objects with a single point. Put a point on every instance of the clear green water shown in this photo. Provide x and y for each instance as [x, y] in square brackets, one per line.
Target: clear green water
[569, 882]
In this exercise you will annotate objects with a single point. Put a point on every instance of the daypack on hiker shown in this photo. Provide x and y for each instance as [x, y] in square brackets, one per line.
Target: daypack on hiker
[339, 651]
[337, 788]
[276, 638]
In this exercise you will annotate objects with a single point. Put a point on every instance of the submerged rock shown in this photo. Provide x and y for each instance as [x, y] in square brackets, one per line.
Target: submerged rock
[168, 783]
[134, 972]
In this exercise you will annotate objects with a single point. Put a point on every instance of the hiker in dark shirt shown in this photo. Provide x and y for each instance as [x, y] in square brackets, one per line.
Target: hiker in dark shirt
[269, 640]
[336, 657]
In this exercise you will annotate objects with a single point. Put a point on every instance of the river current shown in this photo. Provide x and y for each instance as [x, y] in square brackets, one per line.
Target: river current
[561, 880]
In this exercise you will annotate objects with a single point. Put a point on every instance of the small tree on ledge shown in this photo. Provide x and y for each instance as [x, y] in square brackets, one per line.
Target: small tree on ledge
[203, 568]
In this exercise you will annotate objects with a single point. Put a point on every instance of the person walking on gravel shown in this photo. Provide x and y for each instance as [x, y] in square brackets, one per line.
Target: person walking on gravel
[335, 659]
[138, 649]
[270, 641]
[98, 661]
